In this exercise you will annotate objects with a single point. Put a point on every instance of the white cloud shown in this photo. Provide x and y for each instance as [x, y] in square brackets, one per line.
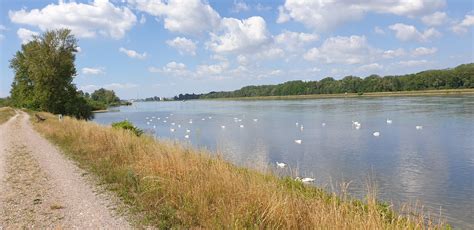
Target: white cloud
[413, 63]
[293, 41]
[92, 71]
[239, 35]
[240, 6]
[422, 51]
[183, 45]
[379, 30]
[347, 50]
[393, 53]
[89, 88]
[115, 86]
[85, 20]
[320, 14]
[462, 27]
[216, 69]
[133, 53]
[142, 19]
[370, 68]
[183, 16]
[406, 32]
[172, 68]
[436, 19]
[26, 35]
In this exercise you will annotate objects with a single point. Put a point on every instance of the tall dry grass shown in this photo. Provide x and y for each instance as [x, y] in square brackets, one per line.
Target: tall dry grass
[174, 186]
[6, 113]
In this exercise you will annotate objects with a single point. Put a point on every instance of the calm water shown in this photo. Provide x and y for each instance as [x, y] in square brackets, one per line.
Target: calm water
[434, 165]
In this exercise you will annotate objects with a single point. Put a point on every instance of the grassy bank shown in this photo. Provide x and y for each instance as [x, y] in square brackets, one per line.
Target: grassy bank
[175, 186]
[5, 114]
[440, 92]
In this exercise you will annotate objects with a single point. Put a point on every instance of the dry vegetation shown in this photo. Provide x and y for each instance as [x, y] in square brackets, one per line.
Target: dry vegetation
[173, 186]
[5, 114]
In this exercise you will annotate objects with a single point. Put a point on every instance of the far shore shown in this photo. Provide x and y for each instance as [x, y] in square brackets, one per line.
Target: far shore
[436, 92]
[101, 111]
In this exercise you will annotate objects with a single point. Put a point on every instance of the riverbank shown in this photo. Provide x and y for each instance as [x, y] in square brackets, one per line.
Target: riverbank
[440, 92]
[172, 185]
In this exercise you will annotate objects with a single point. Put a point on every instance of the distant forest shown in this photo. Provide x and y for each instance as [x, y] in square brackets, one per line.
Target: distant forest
[454, 78]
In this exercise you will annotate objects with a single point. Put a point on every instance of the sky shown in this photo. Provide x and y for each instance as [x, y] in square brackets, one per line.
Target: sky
[144, 48]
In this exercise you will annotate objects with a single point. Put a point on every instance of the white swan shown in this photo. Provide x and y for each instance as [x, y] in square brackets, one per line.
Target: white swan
[419, 127]
[298, 141]
[323, 124]
[376, 134]
[305, 180]
[223, 126]
[280, 164]
[148, 123]
[154, 126]
[241, 126]
[173, 123]
[172, 130]
[389, 121]
[190, 121]
[186, 136]
[179, 126]
[188, 131]
[255, 119]
[301, 128]
[209, 118]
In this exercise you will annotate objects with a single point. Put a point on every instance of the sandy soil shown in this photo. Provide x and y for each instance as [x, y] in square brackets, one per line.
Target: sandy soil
[40, 188]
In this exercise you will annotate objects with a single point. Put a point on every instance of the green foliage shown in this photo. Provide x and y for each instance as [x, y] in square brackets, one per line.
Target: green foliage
[459, 77]
[127, 125]
[4, 102]
[44, 70]
[105, 96]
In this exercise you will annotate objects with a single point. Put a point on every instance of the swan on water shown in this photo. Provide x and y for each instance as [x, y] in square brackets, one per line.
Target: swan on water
[255, 119]
[179, 126]
[186, 136]
[148, 123]
[209, 118]
[154, 126]
[203, 119]
[419, 127]
[298, 141]
[172, 130]
[305, 179]
[173, 123]
[301, 128]
[280, 164]
[323, 124]
[389, 121]
[223, 126]
[241, 126]
[188, 131]
[376, 134]
[190, 121]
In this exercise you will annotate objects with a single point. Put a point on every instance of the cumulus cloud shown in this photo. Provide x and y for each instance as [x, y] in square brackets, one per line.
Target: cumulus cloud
[84, 20]
[463, 26]
[406, 32]
[422, 51]
[346, 50]
[132, 53]
[370, 68]
[379, 30]
[92, 71]
[436, 19]
[393, 53]
[320, 15]
[240, 6]
[182, 16]
[239, 35]
[293, 41]
[26, 35]
[172, 68]
[183, 45]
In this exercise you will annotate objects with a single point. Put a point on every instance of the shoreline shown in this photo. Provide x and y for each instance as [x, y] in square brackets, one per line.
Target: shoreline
[437, 92]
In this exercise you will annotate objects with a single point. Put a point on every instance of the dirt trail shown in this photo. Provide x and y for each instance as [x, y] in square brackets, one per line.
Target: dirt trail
[40, 188]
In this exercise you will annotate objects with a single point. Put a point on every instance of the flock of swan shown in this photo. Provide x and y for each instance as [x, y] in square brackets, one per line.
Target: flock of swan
[355, 125]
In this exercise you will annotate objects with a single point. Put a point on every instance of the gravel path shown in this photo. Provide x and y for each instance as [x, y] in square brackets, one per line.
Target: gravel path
[40, 188]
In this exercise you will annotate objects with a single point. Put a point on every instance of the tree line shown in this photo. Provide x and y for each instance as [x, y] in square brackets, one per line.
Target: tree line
[461, 76]
[44, 70]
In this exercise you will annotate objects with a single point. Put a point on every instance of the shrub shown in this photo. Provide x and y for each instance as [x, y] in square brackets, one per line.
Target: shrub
[127, 125]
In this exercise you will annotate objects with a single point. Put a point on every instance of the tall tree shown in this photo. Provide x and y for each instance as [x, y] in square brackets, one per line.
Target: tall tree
[44, 70]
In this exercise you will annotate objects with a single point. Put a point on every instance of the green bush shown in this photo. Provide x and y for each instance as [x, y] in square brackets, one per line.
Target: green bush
[127, 125]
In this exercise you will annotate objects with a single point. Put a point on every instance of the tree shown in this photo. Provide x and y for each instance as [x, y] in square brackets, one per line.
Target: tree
[107, 97]
[44, 70]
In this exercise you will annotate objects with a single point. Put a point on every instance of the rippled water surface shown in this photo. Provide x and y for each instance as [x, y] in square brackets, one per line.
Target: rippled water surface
[433, 165]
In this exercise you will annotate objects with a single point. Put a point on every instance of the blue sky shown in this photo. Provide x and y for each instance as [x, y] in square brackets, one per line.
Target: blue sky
[143, 48]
